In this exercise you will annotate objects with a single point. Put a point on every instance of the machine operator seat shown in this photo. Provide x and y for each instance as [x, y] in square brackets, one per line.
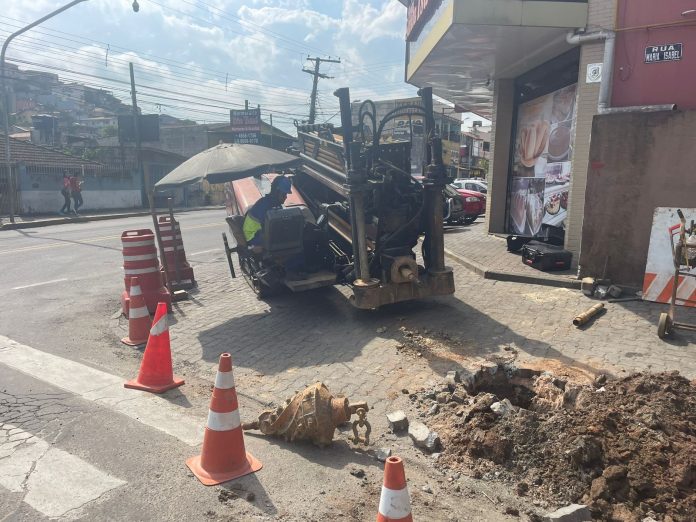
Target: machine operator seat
[236, 224]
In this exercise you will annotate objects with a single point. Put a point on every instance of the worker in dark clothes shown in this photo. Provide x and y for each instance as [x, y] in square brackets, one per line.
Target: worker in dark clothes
[255, 218]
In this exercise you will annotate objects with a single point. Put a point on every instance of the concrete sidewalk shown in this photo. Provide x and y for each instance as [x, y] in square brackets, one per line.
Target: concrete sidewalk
[487, 256]
[52, 219]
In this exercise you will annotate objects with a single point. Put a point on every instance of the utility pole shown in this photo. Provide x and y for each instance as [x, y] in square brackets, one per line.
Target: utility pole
[316, 74]
[136, 125]
[271, 130]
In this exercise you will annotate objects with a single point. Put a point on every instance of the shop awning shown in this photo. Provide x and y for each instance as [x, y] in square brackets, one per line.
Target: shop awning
[465, 45]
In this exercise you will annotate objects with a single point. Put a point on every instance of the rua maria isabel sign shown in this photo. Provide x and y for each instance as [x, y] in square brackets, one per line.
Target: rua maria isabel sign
[663, 53]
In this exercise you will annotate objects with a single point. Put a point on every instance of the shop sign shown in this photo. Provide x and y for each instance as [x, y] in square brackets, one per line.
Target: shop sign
[245, 126]
[416, 15]
[663, 53]
[542, 162]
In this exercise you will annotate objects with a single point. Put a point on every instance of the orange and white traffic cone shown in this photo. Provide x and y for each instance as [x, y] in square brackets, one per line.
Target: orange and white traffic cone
[394, 503]
[223, 456]
[156, 373]
[139, 320]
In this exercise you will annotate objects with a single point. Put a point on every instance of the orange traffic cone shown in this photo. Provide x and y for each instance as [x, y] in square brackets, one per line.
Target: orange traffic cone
[156, 373]
[138, 317]
[224, 456]
[394, 503]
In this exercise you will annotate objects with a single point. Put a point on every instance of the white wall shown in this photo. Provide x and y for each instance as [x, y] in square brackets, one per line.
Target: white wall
[50, 201]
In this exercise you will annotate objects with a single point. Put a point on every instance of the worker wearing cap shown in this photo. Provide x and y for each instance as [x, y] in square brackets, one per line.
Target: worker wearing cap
[256, 216]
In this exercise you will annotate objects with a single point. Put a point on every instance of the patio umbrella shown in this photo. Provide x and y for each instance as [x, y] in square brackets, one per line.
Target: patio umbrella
[227, 162]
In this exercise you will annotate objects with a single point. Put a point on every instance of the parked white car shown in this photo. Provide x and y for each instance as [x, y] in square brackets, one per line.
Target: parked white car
[471, 184]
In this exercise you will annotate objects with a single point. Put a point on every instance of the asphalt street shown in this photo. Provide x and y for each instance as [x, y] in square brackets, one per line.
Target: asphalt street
[50, 275]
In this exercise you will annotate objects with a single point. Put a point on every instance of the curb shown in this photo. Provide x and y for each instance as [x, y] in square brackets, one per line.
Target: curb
[85, 219]
[497, 275]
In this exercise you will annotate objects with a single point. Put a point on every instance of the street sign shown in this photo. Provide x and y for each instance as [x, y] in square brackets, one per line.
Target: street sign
[245, 126]
[663, 53]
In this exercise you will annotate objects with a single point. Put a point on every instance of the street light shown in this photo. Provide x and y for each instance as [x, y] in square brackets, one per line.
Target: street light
[6, 96]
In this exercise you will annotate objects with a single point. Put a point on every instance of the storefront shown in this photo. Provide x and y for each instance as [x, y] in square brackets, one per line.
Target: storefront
[543, 135]
[511, 60]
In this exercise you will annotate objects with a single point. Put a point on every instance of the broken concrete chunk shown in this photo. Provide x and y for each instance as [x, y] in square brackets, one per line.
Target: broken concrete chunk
[483, 402]
[571, 513]
[383, 454]
[502, 408]
[453, 378]
[442, 397]
[459, 396]
[423, 437]
[397, 421]
[434, 409]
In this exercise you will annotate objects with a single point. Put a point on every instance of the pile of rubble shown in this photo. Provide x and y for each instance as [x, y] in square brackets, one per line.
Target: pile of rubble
[626, 447]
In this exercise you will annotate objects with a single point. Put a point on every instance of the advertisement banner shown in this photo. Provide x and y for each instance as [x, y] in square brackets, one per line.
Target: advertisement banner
[542, 162]
[245, 125]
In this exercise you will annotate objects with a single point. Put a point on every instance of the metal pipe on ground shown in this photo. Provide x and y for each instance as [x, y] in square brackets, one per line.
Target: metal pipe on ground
[588, 314]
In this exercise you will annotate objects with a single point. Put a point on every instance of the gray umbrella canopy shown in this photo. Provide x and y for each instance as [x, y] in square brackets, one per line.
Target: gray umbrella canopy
[227, 162]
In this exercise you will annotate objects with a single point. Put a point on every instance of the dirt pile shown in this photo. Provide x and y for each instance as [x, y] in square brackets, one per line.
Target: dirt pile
[627, 447]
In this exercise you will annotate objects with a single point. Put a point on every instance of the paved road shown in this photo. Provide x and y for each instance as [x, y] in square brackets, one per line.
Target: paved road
[53, 276]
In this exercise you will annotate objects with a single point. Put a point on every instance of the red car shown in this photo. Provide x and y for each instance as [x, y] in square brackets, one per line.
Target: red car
[473, 204]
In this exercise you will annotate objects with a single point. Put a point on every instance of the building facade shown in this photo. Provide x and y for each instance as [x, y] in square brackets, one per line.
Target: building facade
[542, 71]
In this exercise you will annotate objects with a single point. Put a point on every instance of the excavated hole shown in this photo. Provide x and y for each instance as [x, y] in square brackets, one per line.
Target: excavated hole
[516, 385]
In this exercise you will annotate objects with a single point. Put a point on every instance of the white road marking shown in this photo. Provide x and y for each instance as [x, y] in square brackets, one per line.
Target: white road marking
[102, 388]
[206, 251]
[53, 481]
[40, 284]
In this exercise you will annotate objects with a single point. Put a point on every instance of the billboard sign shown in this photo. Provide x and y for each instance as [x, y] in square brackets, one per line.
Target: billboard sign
[245, 126]
[149, 127]
[542, 162]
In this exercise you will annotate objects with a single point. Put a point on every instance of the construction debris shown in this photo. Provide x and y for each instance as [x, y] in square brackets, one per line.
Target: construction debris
[398, 421]
[423, 437]
[626, 453]
[313, 414]
[383, 454]
[572, 513]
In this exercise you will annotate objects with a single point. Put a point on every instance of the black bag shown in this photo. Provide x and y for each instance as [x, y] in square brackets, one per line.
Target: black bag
[546, 257]
[515, 242]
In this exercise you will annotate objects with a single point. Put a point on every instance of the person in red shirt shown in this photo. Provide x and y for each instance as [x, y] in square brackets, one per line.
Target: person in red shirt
[76, 190]
[65, 192]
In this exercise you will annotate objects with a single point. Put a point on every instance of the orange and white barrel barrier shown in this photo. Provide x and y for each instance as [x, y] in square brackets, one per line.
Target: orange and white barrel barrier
[140, 260]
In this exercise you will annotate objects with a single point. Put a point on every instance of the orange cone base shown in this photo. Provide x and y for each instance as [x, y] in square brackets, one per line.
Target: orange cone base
[135, 385]
[250, 465]
[131, 342]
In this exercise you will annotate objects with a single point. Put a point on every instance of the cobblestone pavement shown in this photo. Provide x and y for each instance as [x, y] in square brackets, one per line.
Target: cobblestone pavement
[289, 341]
[479, 251]
[282, 344]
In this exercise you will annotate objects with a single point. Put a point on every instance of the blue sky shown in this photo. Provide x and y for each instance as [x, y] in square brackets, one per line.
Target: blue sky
[198, 58]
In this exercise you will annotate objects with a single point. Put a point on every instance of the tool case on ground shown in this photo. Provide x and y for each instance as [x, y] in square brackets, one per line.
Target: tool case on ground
[550, 235]
[546, 257]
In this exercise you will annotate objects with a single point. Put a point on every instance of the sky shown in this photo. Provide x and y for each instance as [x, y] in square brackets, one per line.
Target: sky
[197, 59]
